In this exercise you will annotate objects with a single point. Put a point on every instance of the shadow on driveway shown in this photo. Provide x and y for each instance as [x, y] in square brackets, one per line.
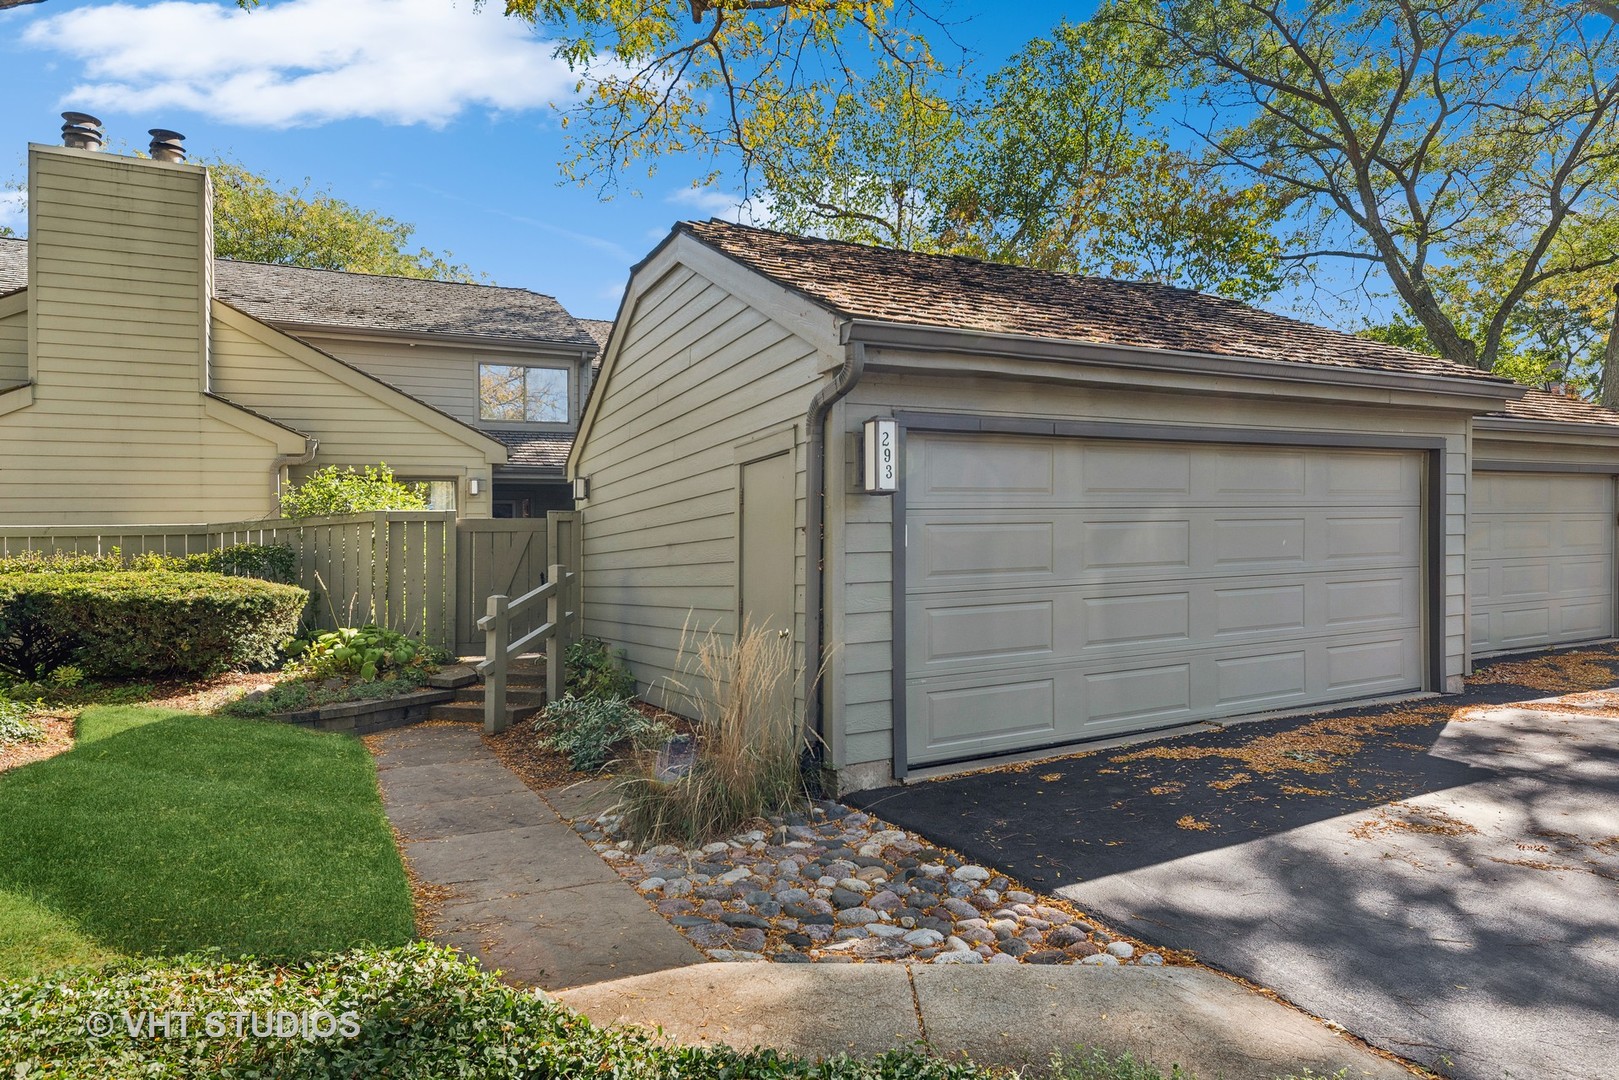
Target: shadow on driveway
[1440, 877]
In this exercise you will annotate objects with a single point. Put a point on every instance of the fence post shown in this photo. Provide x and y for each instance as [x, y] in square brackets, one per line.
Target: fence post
[556, 607]
[496, 637]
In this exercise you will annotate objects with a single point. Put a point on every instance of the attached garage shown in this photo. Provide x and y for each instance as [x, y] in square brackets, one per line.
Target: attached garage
[1058, 590]
[1118, 507]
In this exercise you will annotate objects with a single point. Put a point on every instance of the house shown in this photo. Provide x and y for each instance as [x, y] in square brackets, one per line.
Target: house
[144, 381]
[1121, 507]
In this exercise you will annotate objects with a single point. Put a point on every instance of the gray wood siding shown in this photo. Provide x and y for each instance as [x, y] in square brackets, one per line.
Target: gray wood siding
[444, 376]
[354, 427]
[14, 347]
[860, 611]
[118, 431]
[700, 372]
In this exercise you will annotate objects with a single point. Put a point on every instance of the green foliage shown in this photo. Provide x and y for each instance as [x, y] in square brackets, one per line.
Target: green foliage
[748, 761]
[595, 671]
[297, 695]
[142, 623]
[332, 492]
[588, 729]
[363, 654]
[162, 832]
[16, 723]
[422, 1011]
[1093, 1064]
[257, 221]
[272, 562]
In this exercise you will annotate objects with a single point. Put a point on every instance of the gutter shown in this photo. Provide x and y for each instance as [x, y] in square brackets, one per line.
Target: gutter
[1511, 425]
[311, 444]
[854, 366]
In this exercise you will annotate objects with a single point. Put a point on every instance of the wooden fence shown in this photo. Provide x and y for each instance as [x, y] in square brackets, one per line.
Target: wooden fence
[420, 572]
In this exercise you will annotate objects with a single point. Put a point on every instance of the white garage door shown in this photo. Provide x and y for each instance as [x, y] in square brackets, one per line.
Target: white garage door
[1065, 589]
[1540, 560]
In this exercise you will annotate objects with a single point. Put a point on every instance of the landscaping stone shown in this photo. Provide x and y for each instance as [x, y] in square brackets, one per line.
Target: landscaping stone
[839, 887]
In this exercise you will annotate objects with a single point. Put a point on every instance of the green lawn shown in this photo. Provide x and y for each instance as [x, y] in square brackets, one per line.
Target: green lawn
[164, 832]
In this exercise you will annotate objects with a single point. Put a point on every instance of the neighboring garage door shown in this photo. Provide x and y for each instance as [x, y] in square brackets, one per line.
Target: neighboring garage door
[1540, 560]
[1065, 589]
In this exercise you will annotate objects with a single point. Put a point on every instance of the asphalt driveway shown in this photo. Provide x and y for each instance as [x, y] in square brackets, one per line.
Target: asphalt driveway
[1441, 878]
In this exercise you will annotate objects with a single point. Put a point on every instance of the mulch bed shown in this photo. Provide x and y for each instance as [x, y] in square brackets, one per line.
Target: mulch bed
[518, 749]
[58, 731]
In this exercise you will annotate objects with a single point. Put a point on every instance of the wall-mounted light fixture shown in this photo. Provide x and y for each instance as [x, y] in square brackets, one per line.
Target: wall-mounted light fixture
[581, 488]
[881, 453]
[474, 485]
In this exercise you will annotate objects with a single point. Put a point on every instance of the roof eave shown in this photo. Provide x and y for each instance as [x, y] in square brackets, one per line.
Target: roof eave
[486, 340]
[1024, 346]
[1512, 425]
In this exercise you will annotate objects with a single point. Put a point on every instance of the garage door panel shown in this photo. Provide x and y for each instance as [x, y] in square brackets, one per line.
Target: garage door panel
[1058, 548]
[1540, 560]
[961, 715]
[974, 471]
[985, 630]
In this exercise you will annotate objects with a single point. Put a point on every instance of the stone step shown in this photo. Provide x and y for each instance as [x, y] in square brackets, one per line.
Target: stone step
[452, 676]
[515, 694]
[472, 712]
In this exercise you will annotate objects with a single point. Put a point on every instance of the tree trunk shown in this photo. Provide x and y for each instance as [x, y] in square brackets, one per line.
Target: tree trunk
[1610, 360]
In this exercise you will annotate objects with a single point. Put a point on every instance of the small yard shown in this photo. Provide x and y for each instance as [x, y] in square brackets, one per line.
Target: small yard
[164, 832]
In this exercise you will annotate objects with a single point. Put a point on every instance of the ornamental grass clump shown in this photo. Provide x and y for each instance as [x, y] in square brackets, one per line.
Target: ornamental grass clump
[749, 746]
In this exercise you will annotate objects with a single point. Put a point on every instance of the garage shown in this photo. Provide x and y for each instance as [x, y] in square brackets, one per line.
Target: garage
[1063, 589]
[1540, 560]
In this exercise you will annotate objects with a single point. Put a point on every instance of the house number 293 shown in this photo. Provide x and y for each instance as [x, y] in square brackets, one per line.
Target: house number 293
[881, 446]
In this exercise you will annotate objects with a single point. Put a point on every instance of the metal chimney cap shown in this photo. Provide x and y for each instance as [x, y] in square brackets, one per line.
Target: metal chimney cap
[81, 131]
[167, 145]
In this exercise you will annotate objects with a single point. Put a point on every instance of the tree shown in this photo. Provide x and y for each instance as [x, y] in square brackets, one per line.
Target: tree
[718, 79]
[254, 221]
[1066, 168]
[1433, 139]
[331, 492]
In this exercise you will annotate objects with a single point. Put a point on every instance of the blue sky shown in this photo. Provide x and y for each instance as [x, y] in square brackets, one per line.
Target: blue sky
[422, 109]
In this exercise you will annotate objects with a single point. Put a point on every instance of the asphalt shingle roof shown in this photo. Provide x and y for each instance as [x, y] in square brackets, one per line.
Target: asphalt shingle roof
[296, 295]
[528, 449]
[969, 294]
[1546, 406]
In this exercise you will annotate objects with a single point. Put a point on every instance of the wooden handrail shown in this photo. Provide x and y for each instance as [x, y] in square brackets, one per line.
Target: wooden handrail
[558, 631]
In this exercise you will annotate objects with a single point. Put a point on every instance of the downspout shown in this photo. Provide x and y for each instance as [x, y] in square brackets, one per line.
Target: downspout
[311, 444]
[854, 366]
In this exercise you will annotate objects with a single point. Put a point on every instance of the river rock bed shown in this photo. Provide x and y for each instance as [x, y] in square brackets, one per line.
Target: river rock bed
[840, 886]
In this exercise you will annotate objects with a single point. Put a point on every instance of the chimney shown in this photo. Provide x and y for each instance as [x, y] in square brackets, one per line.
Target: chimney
[81, 131]
[167, 145]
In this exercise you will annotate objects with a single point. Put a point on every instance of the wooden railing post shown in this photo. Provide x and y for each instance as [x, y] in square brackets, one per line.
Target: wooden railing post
[556, 606]
[496, 635]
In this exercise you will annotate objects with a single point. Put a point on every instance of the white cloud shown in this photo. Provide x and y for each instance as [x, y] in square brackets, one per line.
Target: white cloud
[14, 210]
[711, 201]
[304, 62]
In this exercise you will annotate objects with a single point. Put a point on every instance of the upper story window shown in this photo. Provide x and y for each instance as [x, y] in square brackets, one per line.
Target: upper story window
[523, 394]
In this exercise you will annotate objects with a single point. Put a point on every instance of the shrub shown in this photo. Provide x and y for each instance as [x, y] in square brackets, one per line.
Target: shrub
[272, 562]
[361, 653]
[594, 671]
[422, 1011]
[156, 622]
[749, 746]
[332, 491]
[15, 723]
[587, 730]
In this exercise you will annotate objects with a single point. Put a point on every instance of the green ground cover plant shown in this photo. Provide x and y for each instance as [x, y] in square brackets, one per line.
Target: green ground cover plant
[164, 832]
[17, 724]
[299, 695]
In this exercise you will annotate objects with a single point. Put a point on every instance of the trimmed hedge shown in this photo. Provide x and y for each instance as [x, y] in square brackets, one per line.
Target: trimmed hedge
[143, 623]
[272, 562]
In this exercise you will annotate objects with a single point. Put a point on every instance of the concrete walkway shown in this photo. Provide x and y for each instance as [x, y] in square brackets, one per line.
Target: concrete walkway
[1002, 1015]
[528, 896]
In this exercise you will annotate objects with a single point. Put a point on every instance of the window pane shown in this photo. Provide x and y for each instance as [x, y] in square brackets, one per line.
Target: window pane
[500, 391]
[440, 493]
[547, 396]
